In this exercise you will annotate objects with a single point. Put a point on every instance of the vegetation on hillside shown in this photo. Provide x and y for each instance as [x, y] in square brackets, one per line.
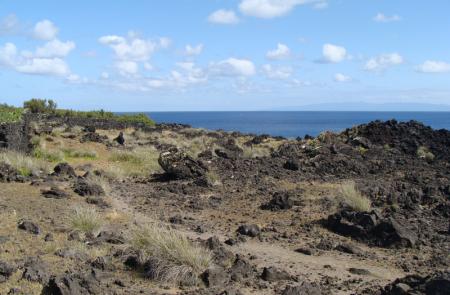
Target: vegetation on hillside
[10, 114]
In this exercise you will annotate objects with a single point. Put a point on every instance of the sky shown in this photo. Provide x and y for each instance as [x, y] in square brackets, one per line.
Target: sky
[188, 55]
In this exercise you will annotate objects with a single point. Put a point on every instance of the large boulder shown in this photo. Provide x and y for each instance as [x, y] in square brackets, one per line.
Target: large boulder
[372, 228]
[229, 150]
[64, 169]
[179, 165]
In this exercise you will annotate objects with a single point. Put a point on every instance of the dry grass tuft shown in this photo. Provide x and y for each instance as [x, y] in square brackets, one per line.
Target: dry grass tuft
[86, 220]
[353, 198]
[424, 153]
[138, 162]
[26, 165]
[173, 257]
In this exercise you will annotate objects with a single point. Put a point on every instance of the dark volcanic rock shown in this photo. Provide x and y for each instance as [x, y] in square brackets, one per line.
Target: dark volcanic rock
[434, 284]
[372, 228]
[86, 188]
[229, 150]
[179, 165]
[280, 201]
[120, 139]
[6, 270]
[272, 274]
[72, 284]
[64, 169]
[304, 288]
[221, 255]
[7, 173]
[36, 270]
[241, 270]
[29, 226]
[215, 277]
[93, 137]
[55, 193]
[251, 230]
[291, 164]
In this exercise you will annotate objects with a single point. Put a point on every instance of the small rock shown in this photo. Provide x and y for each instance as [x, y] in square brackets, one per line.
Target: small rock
[251, 230]
[55, 193]
[29, 226]
[292, 165]
[272, 274]
[49, 237]
[359, 271]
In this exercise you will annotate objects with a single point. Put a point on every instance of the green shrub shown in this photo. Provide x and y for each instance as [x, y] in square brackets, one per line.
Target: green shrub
[48, 155]
[37, 105]
[10, 114]
[71, 153]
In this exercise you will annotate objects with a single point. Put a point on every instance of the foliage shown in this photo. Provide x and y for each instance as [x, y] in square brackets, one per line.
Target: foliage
[10, 114]
[39, 106]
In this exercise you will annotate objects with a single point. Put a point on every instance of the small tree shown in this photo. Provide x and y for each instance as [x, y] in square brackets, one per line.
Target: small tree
[37, 105]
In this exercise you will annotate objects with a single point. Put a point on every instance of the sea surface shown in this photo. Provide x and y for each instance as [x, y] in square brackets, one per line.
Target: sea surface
[293, 124]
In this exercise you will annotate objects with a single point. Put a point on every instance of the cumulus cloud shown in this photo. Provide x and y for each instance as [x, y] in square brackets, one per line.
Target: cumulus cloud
[270, 8]
[383, 61]
[133, 48]
[28, 63]
[279, 73]
[45, 30]
[55, 48]
[382, 18]
[193, 50]
[431, 66]
[233, 67]
[281, 52]
[224, 17]
[342, 78]
[8, 54]
[321, 5]
[333, 53]
[44, 66]
[127, 67]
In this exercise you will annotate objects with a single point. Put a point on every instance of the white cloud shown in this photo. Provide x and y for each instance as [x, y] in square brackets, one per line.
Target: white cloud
[9, 25]
[383, 61]
[45, 30]
[333, 53]
[281, 52]
[44, 66]
[382, 18]
[8, 54]
[193, 50]
[55, 48]
[342, 78]
[133, 48]
[233, 67]
[280, 73]
[104, 75]
[269, 8]
[224, 17]
[431, 66]
[127, 67]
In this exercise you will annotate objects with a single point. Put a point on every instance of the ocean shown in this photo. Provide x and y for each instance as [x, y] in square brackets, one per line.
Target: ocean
[293, 124]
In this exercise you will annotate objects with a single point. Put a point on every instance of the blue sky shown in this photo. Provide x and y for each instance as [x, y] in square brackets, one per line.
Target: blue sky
[224, 54]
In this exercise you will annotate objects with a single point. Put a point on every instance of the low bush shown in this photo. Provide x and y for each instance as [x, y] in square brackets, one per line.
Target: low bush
[173, 257]
[71, 153]
[10, 114]
[424, 153]
[37, 105]
[86, 220]
[26, 165]
[353, 198]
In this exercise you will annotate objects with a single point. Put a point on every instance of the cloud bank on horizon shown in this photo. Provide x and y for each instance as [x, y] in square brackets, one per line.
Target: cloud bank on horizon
[225, 55]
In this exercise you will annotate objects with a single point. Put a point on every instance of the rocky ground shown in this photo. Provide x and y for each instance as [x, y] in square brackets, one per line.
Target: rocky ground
[272, 214]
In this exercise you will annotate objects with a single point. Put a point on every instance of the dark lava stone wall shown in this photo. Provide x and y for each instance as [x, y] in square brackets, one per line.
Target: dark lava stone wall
[14, 136]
